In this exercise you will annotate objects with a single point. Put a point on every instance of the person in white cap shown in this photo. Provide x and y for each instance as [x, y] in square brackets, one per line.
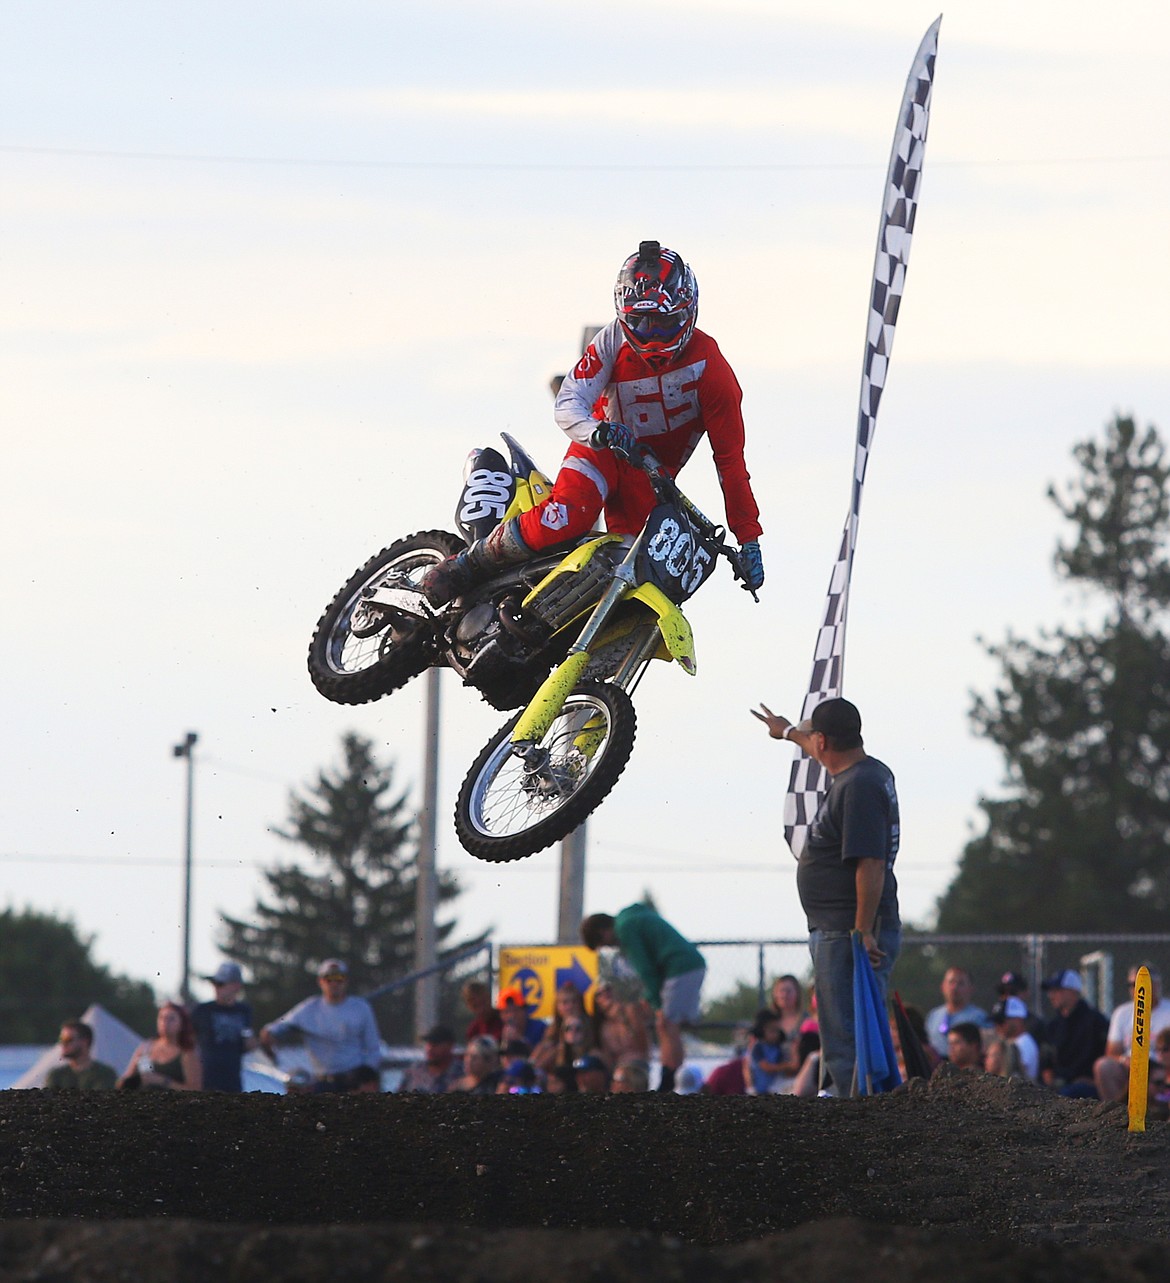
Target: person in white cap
[339, 1031]
[1076, 1034]
[223, 1030]
[1010, 1018]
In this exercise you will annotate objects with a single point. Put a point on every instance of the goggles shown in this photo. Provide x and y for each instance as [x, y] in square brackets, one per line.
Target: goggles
[654, 325]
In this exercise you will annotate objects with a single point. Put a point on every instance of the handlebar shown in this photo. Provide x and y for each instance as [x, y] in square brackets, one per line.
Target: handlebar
[666, 490]
[645, 459]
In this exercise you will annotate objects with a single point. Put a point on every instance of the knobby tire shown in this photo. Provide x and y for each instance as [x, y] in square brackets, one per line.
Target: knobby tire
[494, 761]
[373, 669]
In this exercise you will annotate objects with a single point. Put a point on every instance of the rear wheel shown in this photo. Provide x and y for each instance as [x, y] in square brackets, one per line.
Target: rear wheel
[512, 806]
[358, 652]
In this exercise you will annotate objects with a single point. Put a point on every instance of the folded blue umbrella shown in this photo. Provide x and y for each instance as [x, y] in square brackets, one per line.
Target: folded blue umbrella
[877, 1066]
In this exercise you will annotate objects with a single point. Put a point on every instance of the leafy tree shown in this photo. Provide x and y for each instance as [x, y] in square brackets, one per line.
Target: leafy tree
[47, 975]
[1080, 839]
[733, 1009]
[354, 899]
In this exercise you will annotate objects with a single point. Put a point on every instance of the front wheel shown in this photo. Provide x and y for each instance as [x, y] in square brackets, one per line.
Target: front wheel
[357, 653]
[512, 806]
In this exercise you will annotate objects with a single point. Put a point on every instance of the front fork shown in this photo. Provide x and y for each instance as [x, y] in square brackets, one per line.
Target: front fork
[555, 689]
[670, 629]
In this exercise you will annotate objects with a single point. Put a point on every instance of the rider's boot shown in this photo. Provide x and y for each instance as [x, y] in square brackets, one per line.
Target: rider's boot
[453, 577]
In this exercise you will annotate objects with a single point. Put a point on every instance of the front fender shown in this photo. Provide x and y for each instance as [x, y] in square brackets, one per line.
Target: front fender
[672, 624]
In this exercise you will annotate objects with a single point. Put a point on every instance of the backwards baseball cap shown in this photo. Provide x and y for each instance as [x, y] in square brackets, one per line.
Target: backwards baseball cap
[227, 973]
[438, 1033]
[838, 719]
[1009, 1009]
[1063, 980]
[332, 967]
[1011, 982]
[590, 1062]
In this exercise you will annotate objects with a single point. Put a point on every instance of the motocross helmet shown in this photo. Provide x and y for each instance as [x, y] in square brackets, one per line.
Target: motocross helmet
[657, 301]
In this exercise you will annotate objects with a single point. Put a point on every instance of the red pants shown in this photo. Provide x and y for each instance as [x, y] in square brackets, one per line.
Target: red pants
[589, 480]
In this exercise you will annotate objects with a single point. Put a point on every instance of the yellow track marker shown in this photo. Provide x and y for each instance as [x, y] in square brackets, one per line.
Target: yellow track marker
[1139, 1055]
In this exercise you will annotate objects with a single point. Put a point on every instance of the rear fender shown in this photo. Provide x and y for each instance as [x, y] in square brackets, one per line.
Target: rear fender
[531, 490]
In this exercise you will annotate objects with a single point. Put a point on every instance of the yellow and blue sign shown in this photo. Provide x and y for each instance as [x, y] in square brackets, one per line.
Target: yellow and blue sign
[539, 970]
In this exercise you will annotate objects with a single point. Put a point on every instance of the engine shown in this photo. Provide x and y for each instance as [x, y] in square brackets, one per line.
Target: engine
[498, 651]
[504, 651]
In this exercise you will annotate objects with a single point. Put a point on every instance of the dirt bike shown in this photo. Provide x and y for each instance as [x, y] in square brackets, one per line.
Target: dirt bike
[565, 637]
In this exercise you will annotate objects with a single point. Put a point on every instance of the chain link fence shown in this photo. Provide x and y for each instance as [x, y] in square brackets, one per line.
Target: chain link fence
[393, 1002]
[740, 973]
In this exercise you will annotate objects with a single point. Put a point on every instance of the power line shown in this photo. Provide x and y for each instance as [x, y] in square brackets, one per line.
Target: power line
[230, 768]
[127, 861]
[317, 162]
[424, 165]
[132, 861]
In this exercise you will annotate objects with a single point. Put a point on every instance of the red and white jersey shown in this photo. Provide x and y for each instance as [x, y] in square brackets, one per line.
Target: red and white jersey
[670, 409]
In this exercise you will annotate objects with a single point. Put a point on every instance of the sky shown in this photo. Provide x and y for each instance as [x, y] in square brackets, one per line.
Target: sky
[271, 270]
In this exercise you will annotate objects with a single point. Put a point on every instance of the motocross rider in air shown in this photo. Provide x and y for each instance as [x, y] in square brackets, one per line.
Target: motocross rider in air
[650, 376]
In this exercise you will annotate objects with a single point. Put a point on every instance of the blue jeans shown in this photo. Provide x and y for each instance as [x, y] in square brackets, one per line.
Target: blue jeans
[832, 959]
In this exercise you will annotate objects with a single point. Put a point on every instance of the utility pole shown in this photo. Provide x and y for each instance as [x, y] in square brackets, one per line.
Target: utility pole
[187, 749]
[426, 990]
[571, 897]
[571, 903]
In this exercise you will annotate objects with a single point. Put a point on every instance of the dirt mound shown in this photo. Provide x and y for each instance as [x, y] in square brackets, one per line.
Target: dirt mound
[969, 1176]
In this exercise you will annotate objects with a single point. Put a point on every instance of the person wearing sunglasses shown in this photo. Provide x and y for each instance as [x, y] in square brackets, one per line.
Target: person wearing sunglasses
[223, 1030]
[78, 1070]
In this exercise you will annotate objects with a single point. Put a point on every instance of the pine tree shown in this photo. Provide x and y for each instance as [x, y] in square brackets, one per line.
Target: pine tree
[1080, 840]
[354, 898]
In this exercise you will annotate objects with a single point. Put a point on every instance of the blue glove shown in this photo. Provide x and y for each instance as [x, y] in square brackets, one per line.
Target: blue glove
[620, 439]
[752, 561]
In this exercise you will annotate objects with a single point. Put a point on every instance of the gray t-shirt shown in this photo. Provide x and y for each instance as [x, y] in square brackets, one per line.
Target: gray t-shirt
[858, 819]
[939, 1022]
[338, 1036]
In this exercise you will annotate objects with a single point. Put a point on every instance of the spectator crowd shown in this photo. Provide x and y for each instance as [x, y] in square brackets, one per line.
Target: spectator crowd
[607, 1045]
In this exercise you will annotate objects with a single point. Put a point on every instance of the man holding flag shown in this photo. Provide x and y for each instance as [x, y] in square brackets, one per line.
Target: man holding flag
[841, 809]
[845, 875]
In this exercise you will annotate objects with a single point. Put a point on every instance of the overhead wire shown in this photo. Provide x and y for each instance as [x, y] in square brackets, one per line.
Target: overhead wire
[216, 158]
[161, 862]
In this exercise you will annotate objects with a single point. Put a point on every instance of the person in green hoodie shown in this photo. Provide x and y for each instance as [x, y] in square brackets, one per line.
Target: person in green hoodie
[670, 968]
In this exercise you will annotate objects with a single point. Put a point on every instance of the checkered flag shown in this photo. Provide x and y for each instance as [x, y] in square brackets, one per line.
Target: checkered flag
[808, 781]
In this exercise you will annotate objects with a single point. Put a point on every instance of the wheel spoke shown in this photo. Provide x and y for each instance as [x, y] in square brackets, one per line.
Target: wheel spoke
[347, 652]
[514, 794]
[360, 651]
